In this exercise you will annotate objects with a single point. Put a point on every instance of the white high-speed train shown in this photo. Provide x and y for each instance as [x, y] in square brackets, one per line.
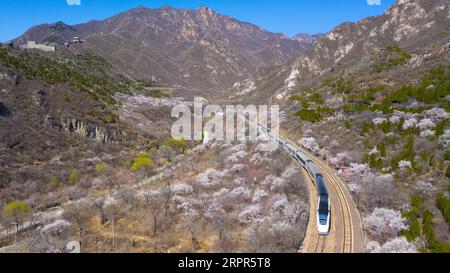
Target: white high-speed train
[323, 203]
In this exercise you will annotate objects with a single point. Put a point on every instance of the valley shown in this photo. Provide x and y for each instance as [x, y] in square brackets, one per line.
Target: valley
[87, 155]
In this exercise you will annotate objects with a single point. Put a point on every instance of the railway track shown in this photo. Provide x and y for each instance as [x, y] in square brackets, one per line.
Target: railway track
[347, 228]
[320, 245]
[346, 217]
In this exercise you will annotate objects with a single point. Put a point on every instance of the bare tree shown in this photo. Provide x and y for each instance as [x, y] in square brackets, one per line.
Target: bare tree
[156, 209]
[51, 238]
[219, 219]
[128, 197]
[167, 195]
[113, 211]
[193, 222]
[167, 152]
[380, 191]
[99, 205]
[106, 174]
[79, 214]
[111, 184]
[154, 203]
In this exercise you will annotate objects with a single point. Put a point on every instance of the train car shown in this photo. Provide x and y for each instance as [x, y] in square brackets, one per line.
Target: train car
[324, 207]
[301, 157]
[312, 169]
[290, 149]
[323, 203]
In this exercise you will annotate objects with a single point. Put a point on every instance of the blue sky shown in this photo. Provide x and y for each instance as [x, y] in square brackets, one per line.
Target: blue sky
[287, 16]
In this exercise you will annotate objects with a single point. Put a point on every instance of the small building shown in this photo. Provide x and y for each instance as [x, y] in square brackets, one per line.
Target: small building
[76, 40]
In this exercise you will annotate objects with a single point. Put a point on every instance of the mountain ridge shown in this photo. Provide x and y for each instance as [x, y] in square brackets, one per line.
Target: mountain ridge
[200, 48]
[411, 25]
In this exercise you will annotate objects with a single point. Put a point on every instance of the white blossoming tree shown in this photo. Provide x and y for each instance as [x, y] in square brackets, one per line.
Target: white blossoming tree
[384, 224]
[397, 245]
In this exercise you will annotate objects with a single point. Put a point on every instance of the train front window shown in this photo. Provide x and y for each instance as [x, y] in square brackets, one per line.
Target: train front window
[323, 218]
[323, 210]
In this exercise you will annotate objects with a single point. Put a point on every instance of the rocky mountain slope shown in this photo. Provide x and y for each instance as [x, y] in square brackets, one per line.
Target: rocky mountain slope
[411, 25]
[58, 109]
[195, 48]
[307, 39]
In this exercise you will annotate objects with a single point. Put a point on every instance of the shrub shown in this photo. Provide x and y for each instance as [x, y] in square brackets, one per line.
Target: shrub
[408, 150]
[73, 177]
[110, 117]
[309, 115]
[432, 162]
[412, 217]
[400, 95]
[433, 244]
[365, 127]
[178, 144]
[54, 182]
[317, 98]
[424, 155]
[402, 57]
[327, 82]
[348, 108]
[375, 163]
[386, 127]
[413, 232]
[340, 85]
[382, 148]
[305, 104]
[442, 166]
[440, 128]
[347, 124]
[395, 56]
[432, 90]
[444, 206]
[325, 111]
[142, 162]
[100, 169]
[295, 98]
[446, 155]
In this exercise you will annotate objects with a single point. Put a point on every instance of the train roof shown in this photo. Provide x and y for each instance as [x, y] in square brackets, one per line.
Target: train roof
[321, 187]
[290, 146]
[323, 205]
[302, 155]
[312, 167]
